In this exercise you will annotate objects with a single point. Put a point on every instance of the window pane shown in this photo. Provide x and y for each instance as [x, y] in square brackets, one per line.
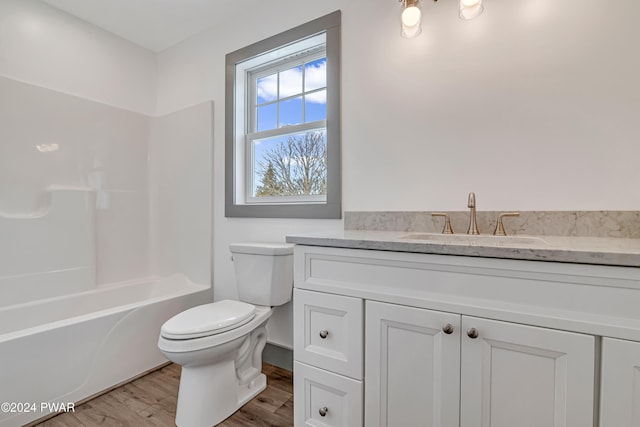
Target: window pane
[315, 75]
[291, 82]
[267, 117]
[315, 106]
[291, 112]
[291, 165]
[267, 89]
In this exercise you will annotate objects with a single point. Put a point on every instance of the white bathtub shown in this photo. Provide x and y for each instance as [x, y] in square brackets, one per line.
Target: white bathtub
[68, 348]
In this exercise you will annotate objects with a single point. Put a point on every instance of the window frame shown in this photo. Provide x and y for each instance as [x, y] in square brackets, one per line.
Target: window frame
[240, 127]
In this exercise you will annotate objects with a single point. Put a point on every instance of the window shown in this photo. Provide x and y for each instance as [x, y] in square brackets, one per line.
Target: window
[283, 124]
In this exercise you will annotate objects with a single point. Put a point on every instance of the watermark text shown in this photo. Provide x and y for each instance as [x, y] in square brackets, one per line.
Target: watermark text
[45, 407]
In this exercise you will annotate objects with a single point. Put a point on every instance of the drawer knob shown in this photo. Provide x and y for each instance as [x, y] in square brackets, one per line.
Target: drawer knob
[323, 411]
[323, 334]
[447, 329]
[472, 333]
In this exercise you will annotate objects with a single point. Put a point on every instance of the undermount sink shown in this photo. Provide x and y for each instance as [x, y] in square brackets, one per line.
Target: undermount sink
[469, 239]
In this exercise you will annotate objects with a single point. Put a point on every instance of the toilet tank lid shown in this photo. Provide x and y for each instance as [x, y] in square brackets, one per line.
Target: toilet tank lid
[262, 248]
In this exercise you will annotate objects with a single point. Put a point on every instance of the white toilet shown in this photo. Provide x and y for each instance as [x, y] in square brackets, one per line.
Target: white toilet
[219, 345]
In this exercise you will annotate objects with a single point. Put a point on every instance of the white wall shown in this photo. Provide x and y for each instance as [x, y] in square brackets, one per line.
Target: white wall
[45, 47]
[531, 106]
[534, 106]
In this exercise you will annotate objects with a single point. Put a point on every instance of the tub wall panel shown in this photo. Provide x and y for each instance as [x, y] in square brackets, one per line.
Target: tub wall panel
[49, 139]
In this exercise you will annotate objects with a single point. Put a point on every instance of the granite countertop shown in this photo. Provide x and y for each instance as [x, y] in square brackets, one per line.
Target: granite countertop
[582, 250]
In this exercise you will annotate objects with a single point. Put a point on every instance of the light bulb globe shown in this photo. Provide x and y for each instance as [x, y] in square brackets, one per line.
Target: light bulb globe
[411, 16]
[469, 9]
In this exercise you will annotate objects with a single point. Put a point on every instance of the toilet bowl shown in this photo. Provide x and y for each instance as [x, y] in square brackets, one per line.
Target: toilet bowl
[219, 345]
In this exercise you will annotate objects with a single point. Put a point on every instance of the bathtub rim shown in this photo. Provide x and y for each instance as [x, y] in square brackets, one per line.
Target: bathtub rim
[186, 287]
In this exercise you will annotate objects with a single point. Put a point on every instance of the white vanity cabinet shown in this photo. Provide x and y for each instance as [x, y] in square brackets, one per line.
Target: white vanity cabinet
[448, 341]
[620, 396]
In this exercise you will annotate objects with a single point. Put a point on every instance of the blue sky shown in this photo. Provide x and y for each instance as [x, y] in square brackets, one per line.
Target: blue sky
[291, 86]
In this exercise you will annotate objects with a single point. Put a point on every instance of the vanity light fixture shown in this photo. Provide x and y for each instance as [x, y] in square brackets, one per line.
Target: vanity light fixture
[411, 17]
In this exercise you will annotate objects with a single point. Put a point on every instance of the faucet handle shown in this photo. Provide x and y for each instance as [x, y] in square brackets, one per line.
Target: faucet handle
[499, 226]
[447, 222]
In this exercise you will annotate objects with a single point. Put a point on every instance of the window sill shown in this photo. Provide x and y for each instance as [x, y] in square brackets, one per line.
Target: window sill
[302, 210]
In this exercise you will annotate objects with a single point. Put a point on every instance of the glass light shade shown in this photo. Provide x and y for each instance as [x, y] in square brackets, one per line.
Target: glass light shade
[411, 19]
[469, 9]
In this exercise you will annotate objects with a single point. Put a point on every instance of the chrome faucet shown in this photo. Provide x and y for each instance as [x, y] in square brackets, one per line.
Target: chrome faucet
[473, 227]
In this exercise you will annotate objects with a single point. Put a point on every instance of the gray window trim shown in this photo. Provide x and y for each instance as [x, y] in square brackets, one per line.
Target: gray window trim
[332, 209]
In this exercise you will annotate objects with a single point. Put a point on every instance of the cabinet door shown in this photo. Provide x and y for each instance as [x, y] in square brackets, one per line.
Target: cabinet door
[412, 367]
[324, 399]
[516, 375]
[620, 392]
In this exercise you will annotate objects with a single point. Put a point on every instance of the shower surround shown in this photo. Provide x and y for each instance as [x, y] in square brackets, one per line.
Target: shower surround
[99, 239]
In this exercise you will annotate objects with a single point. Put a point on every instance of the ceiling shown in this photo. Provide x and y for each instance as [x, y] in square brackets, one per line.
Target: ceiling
[152, 24]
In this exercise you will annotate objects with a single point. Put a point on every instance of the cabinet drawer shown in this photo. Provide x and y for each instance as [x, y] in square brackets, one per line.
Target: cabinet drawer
[322, 398]
[328, 332]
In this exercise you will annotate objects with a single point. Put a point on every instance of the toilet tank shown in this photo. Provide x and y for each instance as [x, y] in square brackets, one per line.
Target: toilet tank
[264, 272]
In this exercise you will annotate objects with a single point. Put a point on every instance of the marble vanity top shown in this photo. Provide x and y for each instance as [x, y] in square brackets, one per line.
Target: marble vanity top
[582, 250]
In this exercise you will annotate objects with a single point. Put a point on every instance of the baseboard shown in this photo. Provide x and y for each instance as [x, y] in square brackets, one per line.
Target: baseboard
[278, 356]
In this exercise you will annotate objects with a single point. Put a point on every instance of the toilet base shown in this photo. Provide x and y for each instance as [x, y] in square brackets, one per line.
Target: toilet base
[211, 392]
[215, 404]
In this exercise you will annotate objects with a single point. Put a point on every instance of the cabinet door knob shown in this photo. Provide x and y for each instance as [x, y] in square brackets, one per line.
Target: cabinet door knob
[324, 333]
[472, 333]
[323, 411]
[447, 329]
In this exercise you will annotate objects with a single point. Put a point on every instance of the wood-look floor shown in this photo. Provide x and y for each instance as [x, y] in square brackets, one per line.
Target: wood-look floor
[151, 401]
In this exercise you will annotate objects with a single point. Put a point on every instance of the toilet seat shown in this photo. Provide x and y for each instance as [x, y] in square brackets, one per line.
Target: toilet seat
[187, 345]
[208, 319]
